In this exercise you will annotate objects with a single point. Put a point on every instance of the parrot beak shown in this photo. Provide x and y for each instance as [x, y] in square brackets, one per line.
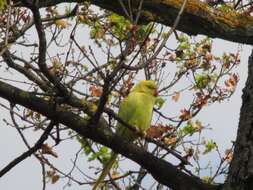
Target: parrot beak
[156, 92]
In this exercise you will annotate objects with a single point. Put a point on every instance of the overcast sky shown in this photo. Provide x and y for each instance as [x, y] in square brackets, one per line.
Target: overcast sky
[223, 118]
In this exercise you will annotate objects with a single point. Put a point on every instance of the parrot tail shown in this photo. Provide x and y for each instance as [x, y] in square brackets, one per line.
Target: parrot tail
[105, 171]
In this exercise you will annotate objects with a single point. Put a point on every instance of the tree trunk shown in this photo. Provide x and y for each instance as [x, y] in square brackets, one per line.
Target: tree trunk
[240, 175]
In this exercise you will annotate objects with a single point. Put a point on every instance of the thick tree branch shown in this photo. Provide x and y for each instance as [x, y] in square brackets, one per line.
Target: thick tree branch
[161, 170]
[198, 17]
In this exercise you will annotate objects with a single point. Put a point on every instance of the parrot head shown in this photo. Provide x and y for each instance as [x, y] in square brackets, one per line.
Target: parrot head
[146, 86]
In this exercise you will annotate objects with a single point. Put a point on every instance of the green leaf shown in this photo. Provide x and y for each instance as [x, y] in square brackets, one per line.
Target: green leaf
[185, 45]
[210, 145]
[143, 31]
[119, 26]
[202, 81]
[97, 31]
[183, 38]
[159, 102]
[189, 129]
[85, 68]
[103, 153]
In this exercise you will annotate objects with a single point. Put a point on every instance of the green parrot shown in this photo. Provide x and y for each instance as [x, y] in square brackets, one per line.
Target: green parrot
[136, 110]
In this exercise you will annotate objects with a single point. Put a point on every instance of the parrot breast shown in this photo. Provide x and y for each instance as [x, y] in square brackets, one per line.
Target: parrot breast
[136, 110]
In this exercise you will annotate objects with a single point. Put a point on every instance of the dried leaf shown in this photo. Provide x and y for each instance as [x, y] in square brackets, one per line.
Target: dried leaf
[172, 56]
[170, 140]
[189, 152]
[201, 101]
[232, 82]
[46, 149]
[62, 23]
[149, 43]
[228, 155]
[50, 173]
[57, 67]
[198, 125]
[95, 91]
[185, 114]
[208, 56]
[53, 176]
[128, 84]
[157, 131]
[115, 174]
[176, 96]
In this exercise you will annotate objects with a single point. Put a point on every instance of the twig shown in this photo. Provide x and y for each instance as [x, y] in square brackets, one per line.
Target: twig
[29, 152]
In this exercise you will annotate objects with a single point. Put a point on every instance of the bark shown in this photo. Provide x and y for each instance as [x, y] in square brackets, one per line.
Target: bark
[198, 17]
[241, 168]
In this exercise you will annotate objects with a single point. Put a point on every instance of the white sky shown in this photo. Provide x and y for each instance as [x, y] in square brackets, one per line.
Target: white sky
[223, 118]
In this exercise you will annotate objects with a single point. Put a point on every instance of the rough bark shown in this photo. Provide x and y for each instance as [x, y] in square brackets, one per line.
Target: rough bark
[241, 168]
[198, 17]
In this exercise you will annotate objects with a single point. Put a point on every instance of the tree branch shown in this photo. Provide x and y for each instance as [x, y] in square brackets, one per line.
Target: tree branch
[161, 170]
[198, 17]
[29, 152]
[43, 48]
